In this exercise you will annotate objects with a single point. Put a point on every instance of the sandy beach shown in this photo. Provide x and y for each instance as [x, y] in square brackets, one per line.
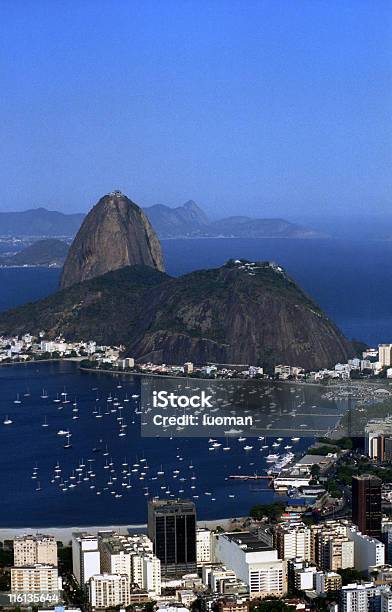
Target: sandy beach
[64, 534]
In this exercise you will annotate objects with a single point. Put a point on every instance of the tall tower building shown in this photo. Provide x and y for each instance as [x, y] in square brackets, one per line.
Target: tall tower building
[172, 529]
[85, 557]
[366, 504]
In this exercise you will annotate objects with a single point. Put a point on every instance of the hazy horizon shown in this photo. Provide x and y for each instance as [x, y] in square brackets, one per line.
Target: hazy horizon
[268, 109]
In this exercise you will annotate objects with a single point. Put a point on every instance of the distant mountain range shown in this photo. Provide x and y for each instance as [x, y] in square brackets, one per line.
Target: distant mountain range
[190, 221]
[187, 221]
[39, 222]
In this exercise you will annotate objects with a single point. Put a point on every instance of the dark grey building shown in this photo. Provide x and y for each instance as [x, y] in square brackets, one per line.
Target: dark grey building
[172, 529]
[366, 504]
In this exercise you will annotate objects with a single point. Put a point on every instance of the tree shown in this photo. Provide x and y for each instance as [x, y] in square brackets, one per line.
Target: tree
[315, 471]
[272, 605]
[350, 575]
[270, 511]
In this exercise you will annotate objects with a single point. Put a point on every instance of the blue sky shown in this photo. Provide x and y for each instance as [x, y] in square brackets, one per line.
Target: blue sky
[272, 107]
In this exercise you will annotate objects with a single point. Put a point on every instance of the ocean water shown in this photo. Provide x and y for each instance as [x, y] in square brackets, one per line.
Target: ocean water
[34, 494]
[350, 280]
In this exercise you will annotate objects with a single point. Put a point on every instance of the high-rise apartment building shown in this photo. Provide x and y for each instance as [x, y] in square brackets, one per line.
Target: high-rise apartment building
[293, 542]
[34, 549]
[385, 355]
[172, 529]
[368, 551]
[36, 579]
[331, 547]
[85, 556]
[108, 590]
[132, 556]
[253, 562]
[203, 545]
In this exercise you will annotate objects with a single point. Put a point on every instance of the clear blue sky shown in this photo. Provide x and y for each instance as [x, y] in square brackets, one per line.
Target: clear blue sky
[263, 107]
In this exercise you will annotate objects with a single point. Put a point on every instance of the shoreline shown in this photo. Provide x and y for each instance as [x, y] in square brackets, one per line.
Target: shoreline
[64, 534]
[245, 380]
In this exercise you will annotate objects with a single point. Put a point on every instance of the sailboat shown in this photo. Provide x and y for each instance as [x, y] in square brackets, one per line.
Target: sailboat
[44, 394]
[68, 444]
[45, 423]
[7, 421]
[17, 400]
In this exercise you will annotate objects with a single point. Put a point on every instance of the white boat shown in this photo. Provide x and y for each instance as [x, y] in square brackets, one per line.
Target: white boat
[271, 458]
[62, 432]
[17, 400]
[45, 423]
[7, 421]
[248, 448]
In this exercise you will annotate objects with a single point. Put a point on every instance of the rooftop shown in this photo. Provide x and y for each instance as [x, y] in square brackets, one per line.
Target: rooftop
[248, 541]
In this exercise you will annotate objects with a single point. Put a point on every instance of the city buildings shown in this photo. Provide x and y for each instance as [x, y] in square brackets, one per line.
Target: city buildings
[253, 562]
[172, 529]
[331, 547]
[35, 549]
[203, 545]
[367, 550]
[385, 355]
[366, 504]
[85, 557]
[293, 541]
[365, 597]
[108, 590]
[38, 579]
[378, 438]
[327, 582]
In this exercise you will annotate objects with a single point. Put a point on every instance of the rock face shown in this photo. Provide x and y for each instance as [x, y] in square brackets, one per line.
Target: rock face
[241, 313]
[115, 233]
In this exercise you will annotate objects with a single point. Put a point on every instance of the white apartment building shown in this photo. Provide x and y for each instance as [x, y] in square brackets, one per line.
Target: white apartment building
[385, 355]
[331, 548]
[294, 542]
[326, 582]
[203, 545]
[367, 550]
[108, 590]
[132, 556]
[304, 578]
[253, 562]
[354, 597]
[33, 549]
[35, 579]
[386, 601]
[85, 556]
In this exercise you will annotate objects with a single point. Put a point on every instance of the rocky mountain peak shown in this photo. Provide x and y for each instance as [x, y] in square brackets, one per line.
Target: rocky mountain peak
[114, 234]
